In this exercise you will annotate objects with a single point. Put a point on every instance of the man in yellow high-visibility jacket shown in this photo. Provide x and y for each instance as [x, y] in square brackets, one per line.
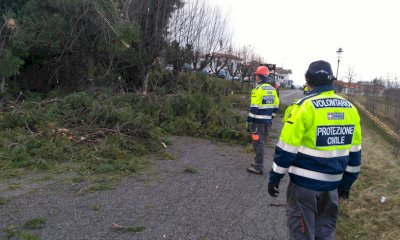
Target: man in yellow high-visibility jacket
[264, 102]
[320, 147]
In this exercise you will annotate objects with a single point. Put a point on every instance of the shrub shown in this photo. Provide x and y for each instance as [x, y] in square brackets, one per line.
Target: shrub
[105, 133]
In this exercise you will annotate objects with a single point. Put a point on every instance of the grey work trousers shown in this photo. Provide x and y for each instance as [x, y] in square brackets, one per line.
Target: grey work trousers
[311, 214]
[261, 129]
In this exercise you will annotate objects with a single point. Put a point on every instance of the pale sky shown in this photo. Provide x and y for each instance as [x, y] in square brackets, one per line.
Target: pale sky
[293, 33]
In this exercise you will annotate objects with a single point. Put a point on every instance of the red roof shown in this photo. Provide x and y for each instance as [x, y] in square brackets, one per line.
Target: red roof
[346, 84]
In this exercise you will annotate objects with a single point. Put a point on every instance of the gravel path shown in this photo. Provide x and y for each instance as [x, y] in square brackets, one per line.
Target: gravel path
[220, 200]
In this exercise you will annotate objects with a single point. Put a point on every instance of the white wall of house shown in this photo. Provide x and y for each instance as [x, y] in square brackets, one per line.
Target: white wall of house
[346, 90]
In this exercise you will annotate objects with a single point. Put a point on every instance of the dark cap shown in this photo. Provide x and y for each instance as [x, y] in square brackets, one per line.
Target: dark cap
[321, 69]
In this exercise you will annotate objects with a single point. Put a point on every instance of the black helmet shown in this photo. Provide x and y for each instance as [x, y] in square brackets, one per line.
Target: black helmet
[319, 73]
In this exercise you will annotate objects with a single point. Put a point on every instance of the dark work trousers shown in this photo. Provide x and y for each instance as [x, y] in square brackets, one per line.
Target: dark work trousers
[311, 214]
[261, 129]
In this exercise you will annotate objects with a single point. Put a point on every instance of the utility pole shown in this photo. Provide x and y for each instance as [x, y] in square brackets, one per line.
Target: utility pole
[339, 55]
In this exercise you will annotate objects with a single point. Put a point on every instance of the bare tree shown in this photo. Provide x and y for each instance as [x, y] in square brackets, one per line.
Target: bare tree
[249, 64]
[202, 26]
[246, 54]
[372, 92]
[350, 76]
[219, 62]
[395, 99]
[234, 66]
[153, 18]
[391, 93]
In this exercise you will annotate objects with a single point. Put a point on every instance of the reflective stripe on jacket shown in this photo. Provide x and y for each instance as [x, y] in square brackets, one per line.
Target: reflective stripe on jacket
[320, 143]
[264, 102]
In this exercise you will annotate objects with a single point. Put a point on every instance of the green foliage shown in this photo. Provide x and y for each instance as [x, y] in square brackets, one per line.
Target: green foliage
[129, 228]
[127, 34]
[28, 116]
[105, 133]
[195, 107]
[10, 231]
[191, 170]
[13, 186]
[65, 21]
[160, 82]
[73, 110]
[99, 186]
[35, 223]
[3, 201]
[11, 5]
[43, 30]
[28, 236]
[9, 63]
[75, 44]
[69, 38]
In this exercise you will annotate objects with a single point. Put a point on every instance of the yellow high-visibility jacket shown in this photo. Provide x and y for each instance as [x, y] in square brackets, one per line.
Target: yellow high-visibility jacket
[306, 90]
[264, 102]
[320, 143]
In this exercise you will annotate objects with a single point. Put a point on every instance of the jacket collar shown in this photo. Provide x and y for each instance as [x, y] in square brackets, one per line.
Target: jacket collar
[323, 89]
[262, 82]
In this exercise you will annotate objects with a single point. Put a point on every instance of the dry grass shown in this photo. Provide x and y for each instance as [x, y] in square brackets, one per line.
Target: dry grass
[364, 216]
[388, 118]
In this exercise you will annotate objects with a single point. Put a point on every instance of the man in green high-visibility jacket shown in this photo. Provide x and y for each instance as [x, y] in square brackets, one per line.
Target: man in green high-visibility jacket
[320, 147]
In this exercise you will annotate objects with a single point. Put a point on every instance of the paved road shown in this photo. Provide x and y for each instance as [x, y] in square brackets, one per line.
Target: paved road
[220, 201]
[287, 96]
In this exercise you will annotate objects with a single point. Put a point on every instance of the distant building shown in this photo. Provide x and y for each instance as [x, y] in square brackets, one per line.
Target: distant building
[290, 83]
[279, 74]
[284, 76]
[360, 87]
[371, 88]
[231, 62]
[347, 88]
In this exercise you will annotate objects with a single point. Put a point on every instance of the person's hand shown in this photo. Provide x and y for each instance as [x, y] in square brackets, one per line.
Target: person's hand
[273, 190]
[343, 193]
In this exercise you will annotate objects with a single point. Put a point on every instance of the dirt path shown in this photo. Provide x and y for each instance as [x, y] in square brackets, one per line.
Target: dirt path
[219, 201]
[205, 193]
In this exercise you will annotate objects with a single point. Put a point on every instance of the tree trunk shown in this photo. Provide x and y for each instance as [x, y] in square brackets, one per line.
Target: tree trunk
[2, 90]
[145, 83]
[91, 70]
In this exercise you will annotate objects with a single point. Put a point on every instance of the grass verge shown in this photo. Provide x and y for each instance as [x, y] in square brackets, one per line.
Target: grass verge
[364, 216]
